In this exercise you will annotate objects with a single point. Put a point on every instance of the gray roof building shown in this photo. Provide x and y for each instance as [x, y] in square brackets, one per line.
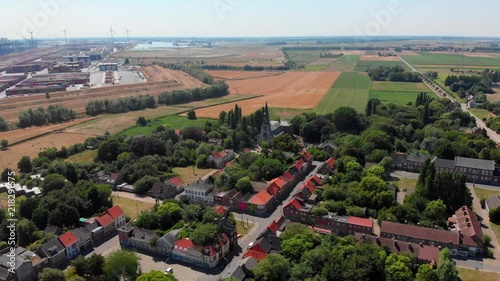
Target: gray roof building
[418, 157]
[52, 247]
[444, 163]
[475, 163]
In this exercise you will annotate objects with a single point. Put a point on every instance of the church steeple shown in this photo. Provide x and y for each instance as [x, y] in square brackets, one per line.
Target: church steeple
[265, 130]
[267, 119]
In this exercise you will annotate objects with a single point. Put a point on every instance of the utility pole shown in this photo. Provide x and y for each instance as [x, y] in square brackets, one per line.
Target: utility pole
[65, 37]
[128, 39]
[112, 40]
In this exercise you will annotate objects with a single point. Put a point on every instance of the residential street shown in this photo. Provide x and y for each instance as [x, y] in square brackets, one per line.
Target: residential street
[260, 224]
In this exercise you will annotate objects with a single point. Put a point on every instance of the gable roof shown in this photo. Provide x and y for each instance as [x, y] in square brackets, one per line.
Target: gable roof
[444, 163]
[52, 247]
[279, 182]
[261, 198]
[418, 157]
[475, 163]
[273, 227]
[298, 165]
[115, 212]
[468, 223]
[328, 144]
[294, 203]
[105, 220]
[418, 232]
[113, 176]
[183, 244]
[82, 233]
[176, 181]
[330, 162]
[287, 176]
[67, 239]
[399, 157]
[255, 254]
[221, 210]
[360, 221]
[306, 155]
[317, 180]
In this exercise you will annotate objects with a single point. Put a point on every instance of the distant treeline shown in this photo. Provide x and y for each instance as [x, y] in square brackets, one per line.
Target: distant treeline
[330, 55]
[327, 48]
[393, 73]
[473, 84]
[194, 71]
[41, 116]
[276, 43]
[120, 105]
[218, 89]
[4, 126]
[246, 67]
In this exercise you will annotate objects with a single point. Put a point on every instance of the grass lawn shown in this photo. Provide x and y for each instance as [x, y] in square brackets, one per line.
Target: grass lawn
[173, 121]
[130, 207]
[404, 183]
[242, 227]
[482, 113]
[187, 176]
[86, 157]
[474, 275]
[362, 66]
[487, 193]
[351, 89]
[426, 58]
[399, 98]
[285, 114]
[399, 86]
[314, 67]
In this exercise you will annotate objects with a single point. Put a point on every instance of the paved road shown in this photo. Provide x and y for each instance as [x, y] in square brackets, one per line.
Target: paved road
[260, 224]
[439, 91]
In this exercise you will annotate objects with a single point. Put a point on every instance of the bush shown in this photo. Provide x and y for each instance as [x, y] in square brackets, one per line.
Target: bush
[487, 240]
[495, 215]
[483, 203]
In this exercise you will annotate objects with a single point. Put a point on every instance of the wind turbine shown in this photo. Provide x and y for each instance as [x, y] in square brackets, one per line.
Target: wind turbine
[65, 37]
[112, 40]
[128, 31]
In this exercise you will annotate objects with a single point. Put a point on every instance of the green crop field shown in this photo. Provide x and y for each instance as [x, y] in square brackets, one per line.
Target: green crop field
[173, 121]
[362, 66]
[351, 89]
[426, 58]
[399, 98]
[285, 114]
[399, 87]
[314, 67]
[345, 63]
[304, 57]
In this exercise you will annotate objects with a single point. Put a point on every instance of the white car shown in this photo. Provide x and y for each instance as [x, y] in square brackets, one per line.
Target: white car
[169, 270]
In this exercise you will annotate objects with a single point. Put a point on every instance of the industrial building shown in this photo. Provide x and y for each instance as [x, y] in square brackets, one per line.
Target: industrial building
[49, 83]
[24, 68]
[108, 66]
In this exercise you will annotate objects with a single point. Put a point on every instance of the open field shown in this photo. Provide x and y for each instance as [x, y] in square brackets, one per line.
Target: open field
[399, 98]
[86, 157]
[131, 208]
[345, 63]
[77, 100]
[482, 113]
[378, 58]
[350, 89]
[362, 66]
[427, 58]
[241, 75]
[298, 90]
[187, 176]
[32, 147]
[474, 275]
[285, 114]
[173, 121]
[399, 86]
[18, 135]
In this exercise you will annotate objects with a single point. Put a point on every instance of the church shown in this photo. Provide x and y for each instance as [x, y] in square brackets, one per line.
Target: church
[271, 129]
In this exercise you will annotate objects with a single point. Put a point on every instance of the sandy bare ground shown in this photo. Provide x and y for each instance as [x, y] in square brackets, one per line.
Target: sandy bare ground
[241, 75]
[378, 58]
[26, 133]
[301, 90]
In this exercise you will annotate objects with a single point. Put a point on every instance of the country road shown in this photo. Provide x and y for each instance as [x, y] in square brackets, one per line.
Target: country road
[439, 91]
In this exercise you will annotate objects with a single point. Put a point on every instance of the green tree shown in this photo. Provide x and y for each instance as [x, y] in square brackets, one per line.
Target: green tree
[426, 273]
[447, 270]
[244, 185]
[122, 265]
[141, 121]
[398, 268]
[346, 119]
[191, 115]
[295, 247]
[156, 276]
[143, 185]
[51, 274]
[205, 234]
[436, 210]
[24, 165]
[4, 143]
[274, 267]
[495, 215]
[26, 232]
[53, 182]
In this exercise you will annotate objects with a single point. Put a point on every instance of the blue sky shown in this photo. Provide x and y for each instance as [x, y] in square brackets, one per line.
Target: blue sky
[253, 18]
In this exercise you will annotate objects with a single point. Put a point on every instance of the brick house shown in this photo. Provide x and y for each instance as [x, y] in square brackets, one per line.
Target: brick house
[297, 211]
[107, 223]
[118, 216]
[343, 225]
[54, 251]
[71, 244]
[263, 202]
[328, 167]
[84, 235]
[466, 223]
[409, 162]
[219, 159]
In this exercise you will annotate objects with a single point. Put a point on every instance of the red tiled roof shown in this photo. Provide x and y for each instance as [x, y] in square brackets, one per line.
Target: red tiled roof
[279, 182]
[184, 244]
[298, 165]
[67, 239]
[287, 176]
[330, 162]
[320, 230]
[429, 253]
[316, 179]
[418, 232]
[261, 198]
[360, 221]
[273, 227]
[216, 174]
[468, 223]
[295, 203]
[219, 209]
[310, 186]
[306, 155]
[254, 254]
[176, 181]
[223, 153]
[105, 220]
[115, 212]
[229, 164]
[216, 155]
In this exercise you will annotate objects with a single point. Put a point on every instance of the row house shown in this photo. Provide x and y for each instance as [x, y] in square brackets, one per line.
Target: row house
[264, 203]
[344, 225]
[297, 210]
[328, 167]
[53, 251]
[23, 262]
[147, 241]
[71, 244]
[219, 159]
[459, 243]
[465, 222]
[424, 253]
[410, 162]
